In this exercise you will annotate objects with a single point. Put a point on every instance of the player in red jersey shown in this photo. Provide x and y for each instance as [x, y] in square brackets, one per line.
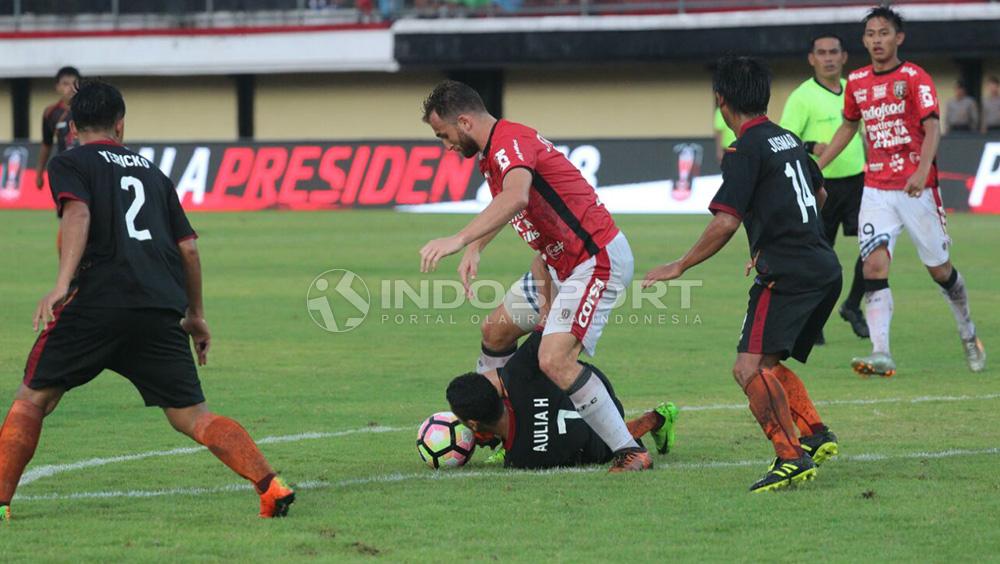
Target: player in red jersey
[549, 204]
[55, 122]
[899, 105]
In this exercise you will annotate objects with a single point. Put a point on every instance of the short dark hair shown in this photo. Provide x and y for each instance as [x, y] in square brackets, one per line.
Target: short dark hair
[744, 83]
[472, 396]
[451, 98]
[812, 44]
[67, 71]
[96, 105]
[886, 13]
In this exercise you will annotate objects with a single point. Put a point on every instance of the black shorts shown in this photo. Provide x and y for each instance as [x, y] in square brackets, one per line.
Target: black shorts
[147, 346]
[786, 324]
[843, 204]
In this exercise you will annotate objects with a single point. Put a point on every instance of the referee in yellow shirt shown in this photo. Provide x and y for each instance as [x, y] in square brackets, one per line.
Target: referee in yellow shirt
[814, 111]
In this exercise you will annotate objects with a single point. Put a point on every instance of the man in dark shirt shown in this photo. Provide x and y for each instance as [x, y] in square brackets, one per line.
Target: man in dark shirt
[127, 296]
[772, 186]
[55, 121]
[536, 421]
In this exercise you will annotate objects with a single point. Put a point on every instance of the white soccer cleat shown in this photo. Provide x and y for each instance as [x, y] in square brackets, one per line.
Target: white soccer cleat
[875, 364]
[975, 354]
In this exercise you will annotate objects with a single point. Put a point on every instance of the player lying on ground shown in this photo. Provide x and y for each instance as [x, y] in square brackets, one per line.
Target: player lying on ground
[771, 184]
[899, 106]
[536, 421]
[552, 207]
[127, 296]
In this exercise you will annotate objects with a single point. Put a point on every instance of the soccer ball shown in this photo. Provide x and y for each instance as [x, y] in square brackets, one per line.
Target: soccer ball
[443, 442]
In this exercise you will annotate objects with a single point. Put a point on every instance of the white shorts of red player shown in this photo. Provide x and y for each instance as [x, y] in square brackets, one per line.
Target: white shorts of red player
[885, 213]
[584, 300]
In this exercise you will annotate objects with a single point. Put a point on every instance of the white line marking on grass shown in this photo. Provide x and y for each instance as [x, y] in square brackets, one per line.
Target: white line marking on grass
[48, 470]
[873, 401]
[399, 477]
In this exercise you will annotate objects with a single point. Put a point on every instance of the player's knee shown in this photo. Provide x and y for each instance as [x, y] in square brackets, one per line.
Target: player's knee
[495, 337]
[743, 374]
[876, 265]
[45, 399]
[941, 273]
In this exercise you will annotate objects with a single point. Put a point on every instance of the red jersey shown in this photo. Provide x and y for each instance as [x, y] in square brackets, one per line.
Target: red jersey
[894, 105]
[564, 220]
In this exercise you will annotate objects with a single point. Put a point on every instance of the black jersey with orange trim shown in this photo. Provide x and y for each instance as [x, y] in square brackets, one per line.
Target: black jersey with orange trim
[564, 220]
[55, 127]
[136, 222]
[769, 182]
[545, 429]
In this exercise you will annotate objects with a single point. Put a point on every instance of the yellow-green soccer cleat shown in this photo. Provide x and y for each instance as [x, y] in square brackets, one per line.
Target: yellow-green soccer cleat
[496, 459]
[784, 473]
[664, 435]
[820, 446]
[4, 513]
[875, 364]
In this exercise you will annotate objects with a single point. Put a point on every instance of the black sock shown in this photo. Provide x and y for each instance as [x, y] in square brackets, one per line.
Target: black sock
[876, 284]
[490, 352]
[264, 484]
[853, 300]
[950, 283]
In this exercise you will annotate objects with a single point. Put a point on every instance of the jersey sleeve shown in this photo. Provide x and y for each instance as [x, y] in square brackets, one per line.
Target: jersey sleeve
[519, 151]
[851, 110]
[67, 182]
[924, 96]
[48, 132]
[739, 176]
[795, 116]
[179, 224]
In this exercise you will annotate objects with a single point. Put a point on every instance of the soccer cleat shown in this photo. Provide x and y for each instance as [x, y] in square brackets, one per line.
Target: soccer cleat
[975, 354]
[275, 501]
[4, 513]
[820, 340]
[820, 446]
[875, 364]
[784, 473]
[497, 457]
[856, 318]
[664, 435]
[631, 460]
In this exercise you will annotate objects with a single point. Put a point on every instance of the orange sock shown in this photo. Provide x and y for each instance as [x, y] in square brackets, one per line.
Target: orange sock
[18, 439]
[644, 423]
[770, 406]
[802, 408]
[231, 444]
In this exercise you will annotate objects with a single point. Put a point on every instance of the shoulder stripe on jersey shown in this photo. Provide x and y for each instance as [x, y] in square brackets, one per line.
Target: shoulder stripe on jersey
[552, 197]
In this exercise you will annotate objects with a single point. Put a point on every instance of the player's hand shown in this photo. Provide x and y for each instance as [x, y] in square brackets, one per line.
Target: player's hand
[751, 264]
[915, 184]
[40, 180]
[818, 149]
[197, 327]
[669, 271]
[468, 269]
[437, 250]
[44, 311]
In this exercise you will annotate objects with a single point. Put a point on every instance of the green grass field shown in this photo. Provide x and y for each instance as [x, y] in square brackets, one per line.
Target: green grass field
[917, 479]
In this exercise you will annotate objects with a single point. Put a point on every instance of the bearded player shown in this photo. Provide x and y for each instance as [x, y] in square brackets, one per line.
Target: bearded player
[127, 296]
[552, 207]
[536, 422]
[899, 106]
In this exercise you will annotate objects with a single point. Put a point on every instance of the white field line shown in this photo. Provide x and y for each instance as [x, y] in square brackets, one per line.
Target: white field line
[49, 470]
[445, 475]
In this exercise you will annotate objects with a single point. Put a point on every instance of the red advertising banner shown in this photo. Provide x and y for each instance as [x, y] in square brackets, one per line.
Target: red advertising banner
[632, 176]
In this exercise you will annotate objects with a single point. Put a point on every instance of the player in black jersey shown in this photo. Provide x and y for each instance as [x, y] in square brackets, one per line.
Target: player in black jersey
[56, 133]
[127, 296]
[772, 186]
[535, 419]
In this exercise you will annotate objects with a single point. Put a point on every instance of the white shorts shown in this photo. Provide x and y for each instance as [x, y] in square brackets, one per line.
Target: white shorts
[522, 302]
[885, 213]
[584, 300]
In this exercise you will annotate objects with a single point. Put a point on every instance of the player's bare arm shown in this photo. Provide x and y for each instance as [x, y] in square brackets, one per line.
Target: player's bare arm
[503, 208]
[43, 159]
[194, 319]
[847, 130]
[75, 226]
[712, 240]
[928, 152]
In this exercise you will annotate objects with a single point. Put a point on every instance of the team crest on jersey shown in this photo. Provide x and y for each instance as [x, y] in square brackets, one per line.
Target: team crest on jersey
[899, 89]
[861, 96]
[879, 91]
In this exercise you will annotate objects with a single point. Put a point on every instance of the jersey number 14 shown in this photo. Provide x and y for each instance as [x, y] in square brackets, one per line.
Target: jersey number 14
[803, 195]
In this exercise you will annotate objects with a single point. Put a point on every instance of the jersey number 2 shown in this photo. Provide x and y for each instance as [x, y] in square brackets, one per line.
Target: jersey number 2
[803, 195]
[133, 210]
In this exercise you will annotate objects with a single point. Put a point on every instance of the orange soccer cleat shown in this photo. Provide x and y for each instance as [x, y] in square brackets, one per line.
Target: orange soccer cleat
[276, 500]
[631, 460]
